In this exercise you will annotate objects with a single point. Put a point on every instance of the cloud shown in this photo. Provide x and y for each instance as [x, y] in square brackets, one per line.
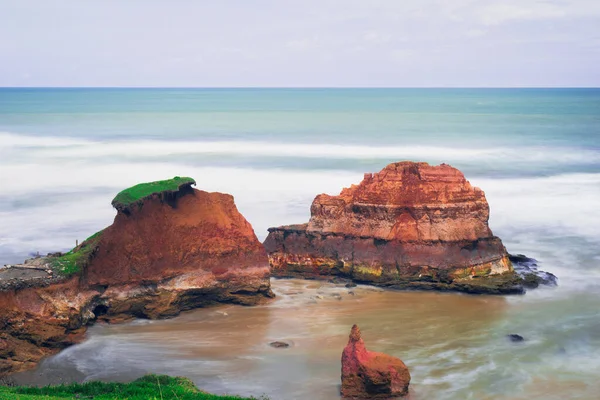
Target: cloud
[376, 37]
[302, 44]
[499, 13]
[475, 33]
[402, 55]
[299, 42]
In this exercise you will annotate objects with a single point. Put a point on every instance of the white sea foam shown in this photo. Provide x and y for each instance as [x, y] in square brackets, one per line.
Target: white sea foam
[265, 197]
[564, 204]
[66, 148]
[81, 187]
[13, 140]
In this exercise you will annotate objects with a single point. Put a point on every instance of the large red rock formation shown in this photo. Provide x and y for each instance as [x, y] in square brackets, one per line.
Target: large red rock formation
[163, 255]
[198, 251]
[411, 225]
[370, 375]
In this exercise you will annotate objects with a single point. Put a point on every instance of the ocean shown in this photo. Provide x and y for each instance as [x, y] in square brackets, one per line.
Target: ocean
[65, 153]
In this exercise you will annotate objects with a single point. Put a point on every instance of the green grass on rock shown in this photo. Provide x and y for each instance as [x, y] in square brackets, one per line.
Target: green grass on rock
[149, 387]
[72, 262]
[128, 197]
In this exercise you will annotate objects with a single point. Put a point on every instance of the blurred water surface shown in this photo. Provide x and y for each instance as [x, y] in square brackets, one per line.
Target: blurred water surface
[64, 153]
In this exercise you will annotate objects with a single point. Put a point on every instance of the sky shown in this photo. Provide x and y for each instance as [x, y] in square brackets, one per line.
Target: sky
[304, 43]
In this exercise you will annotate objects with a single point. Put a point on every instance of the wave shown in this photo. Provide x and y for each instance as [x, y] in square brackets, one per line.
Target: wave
[56, 190]
[10, 140]
[81, 193]
[59, 147]
[560, 205]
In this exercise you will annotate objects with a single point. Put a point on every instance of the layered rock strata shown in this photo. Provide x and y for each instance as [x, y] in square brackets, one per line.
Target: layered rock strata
[370, 375]
[410, 226]
[164, 253]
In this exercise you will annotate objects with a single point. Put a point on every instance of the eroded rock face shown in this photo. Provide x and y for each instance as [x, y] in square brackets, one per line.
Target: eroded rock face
[158, 258]
[39, 321]
[370, 375]
[411, 225]
[198, 251]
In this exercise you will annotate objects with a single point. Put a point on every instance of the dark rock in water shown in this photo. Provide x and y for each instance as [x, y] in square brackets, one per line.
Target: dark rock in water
[351, 284]
[521, 258]
[279, 345]
[411, 226]
[513, 337]
[533, 280]
[527, 269]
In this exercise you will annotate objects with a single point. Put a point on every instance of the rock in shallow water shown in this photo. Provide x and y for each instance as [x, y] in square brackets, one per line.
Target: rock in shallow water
[410, 226]
[279, 345]
[527, 269]
[370, 375]
[513, 337]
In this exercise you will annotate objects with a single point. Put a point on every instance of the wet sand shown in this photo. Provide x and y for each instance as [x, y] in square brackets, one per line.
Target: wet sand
[455, 346]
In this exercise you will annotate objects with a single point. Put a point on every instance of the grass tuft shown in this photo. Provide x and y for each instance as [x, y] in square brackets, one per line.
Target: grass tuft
[128, 197]
[72, 262]
[149, 387]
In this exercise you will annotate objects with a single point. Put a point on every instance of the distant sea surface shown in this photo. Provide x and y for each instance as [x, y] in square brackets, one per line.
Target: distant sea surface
[65, 153]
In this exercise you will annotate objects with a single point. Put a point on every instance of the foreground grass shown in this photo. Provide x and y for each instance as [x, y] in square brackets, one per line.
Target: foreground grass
[132, 195]
[149, 387]
[72, 262]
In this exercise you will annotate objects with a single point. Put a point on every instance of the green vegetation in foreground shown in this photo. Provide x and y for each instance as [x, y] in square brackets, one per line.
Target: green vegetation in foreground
[149, 387]
[132, 195]
[72, 262]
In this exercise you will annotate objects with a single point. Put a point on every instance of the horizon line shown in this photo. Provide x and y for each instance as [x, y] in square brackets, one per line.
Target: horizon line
[299, 87]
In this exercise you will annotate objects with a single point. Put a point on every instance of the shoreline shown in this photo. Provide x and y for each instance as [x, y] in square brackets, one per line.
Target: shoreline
[311, 316]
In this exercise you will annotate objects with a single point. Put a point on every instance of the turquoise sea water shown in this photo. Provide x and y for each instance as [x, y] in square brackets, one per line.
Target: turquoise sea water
[64, 153]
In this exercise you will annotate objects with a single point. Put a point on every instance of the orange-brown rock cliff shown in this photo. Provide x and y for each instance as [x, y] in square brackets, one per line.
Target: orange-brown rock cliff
[163, 255]
[411, 225]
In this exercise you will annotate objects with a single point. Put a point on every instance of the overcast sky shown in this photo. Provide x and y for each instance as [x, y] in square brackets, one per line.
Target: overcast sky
[301, 43]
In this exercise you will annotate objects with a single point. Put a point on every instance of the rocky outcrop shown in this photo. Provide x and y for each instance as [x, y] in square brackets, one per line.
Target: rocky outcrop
[39, 321]
[370, 375]
[195, 251]
[527, 269]
[164, 253]
[410, 226]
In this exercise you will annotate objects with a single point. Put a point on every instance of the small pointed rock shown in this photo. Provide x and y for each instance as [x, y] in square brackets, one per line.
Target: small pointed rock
[370, 375]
